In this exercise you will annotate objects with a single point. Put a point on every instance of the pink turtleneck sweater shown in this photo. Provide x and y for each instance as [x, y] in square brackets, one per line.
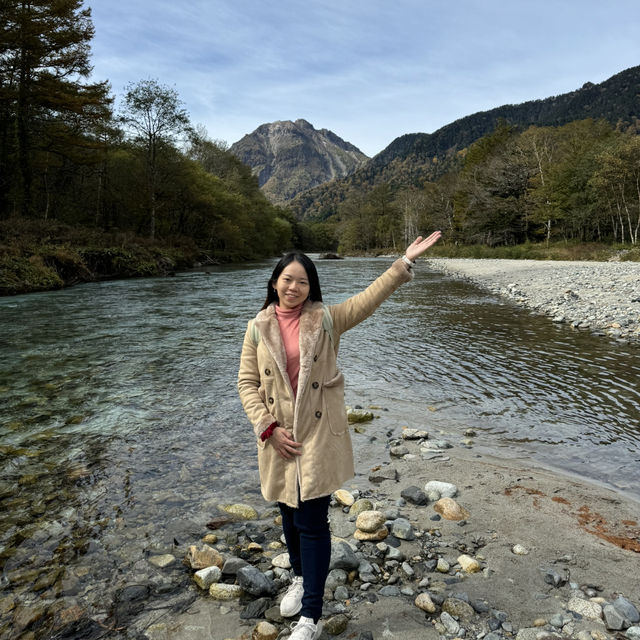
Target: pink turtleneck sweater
[289, 323]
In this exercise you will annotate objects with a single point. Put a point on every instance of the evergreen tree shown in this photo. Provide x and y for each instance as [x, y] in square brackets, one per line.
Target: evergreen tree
[47, 109]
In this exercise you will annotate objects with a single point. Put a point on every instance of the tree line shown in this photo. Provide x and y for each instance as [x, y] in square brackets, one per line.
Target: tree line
[577, 182]
[67, 155]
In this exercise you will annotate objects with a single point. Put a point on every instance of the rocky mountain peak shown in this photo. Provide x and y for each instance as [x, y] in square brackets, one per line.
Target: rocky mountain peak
[289, 157]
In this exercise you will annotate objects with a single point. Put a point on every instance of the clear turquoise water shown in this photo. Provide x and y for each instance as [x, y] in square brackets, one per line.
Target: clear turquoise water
[121, 429]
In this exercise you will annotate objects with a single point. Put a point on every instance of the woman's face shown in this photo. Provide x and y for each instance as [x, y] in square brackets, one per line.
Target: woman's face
[292, 285]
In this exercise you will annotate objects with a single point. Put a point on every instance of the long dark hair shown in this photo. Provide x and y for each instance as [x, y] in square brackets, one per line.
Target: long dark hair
[315, 295]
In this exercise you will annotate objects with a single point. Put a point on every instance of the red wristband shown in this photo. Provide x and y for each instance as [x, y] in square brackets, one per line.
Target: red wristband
[266, 434]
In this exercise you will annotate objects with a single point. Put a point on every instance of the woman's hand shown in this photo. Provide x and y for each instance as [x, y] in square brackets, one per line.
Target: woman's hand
[286, 446]
[419, 246]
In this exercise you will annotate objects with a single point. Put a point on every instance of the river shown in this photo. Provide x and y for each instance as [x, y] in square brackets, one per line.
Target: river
[121, 427]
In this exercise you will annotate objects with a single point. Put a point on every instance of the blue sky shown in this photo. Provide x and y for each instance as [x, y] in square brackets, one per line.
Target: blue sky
[371, 70]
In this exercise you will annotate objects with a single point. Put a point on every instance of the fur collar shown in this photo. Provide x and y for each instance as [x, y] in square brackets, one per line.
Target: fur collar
[310, 328]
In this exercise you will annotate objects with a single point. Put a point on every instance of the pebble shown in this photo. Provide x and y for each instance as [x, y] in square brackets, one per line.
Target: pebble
[519, 550]
[383, 473]
[415, 434]
[449, 509]
[469, 564]
[371, 536]
[423, 601]
[344, 498]
[335, 625]
[415, 495]
[221, 591]
[442, 566]
[402, 529]
[264, 631]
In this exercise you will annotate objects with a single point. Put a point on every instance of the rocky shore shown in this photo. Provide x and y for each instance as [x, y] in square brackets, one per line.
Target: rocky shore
[437, 542]
[601, 297]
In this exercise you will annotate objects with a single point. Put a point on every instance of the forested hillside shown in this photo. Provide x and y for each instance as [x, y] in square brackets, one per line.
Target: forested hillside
[86, 191]
[413, 159]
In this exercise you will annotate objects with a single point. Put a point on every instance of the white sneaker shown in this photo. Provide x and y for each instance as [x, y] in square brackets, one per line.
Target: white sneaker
[291, 603]
[304, 629]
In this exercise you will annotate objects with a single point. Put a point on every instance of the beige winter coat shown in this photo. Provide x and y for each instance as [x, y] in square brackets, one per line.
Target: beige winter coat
[317, 416]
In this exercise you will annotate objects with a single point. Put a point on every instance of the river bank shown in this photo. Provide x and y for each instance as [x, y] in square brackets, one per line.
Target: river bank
[532, 554]
[601, 297]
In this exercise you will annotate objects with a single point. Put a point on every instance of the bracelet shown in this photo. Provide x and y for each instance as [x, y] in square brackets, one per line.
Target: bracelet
[409, 263]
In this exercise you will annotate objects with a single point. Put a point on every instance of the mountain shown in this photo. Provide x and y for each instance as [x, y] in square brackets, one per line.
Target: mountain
[415, 158]
[290, 157]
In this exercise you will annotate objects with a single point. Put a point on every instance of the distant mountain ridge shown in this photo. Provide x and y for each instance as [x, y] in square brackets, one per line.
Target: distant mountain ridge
[291, 157]
[414, 158]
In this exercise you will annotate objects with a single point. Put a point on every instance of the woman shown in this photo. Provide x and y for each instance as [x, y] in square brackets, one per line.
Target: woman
[293, 394]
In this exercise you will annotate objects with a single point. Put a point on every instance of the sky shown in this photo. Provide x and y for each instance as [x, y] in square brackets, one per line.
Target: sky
[368, 70]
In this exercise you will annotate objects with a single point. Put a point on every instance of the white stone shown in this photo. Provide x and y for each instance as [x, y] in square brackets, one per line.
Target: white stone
[424, 602]
[440, 490]
[343, 497]
[282, 561]
[586, 608]
[519, 550]
[442, 566]
[469, 564]
[162, 561]
[206, 577]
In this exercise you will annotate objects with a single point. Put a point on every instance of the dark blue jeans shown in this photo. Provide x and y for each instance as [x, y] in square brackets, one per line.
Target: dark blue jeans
[306, 530]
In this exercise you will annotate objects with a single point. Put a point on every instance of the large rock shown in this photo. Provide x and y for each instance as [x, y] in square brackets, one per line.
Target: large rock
[414, 434]
[343, 556]
[369, 521]
[586, 608]
[202, 556]
[356, 416]
[335, 625]
[449, 509]
[253, 581]
[627, 609]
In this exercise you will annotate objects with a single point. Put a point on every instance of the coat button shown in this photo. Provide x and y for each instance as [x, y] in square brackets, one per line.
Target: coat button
[315, 358]
[267, 372]
[271, 400]
[318, 414]
[315, 385]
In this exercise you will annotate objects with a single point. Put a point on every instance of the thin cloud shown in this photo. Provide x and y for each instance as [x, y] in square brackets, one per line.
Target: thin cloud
[370, 71]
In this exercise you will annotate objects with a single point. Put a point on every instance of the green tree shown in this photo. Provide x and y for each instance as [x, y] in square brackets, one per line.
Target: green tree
[154, 116]
[48, 109]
